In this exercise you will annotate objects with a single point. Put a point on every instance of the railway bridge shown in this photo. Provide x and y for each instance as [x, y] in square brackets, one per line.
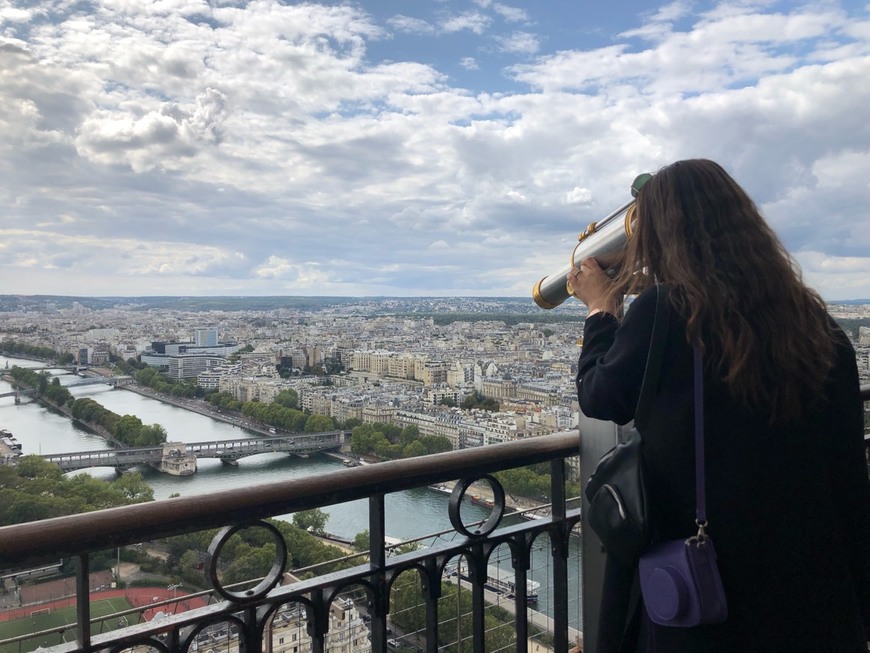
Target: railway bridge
[113, 381]
[179, 458]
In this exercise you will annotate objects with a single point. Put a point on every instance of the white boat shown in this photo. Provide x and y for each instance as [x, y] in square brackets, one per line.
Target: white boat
[9, 440]
[499, 580]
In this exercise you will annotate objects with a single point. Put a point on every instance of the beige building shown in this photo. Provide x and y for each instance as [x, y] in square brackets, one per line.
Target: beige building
[288, 632]
[378, 414]
[438, 422]
[249, 389]
[499, 388]
[402, 366]
[432, 372]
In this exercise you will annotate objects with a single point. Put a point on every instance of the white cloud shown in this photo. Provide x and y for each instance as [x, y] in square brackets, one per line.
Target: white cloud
[306, 275]
[9, 14]
[471, 21]
[519, 42]
[265, 149]
[509, 13]
[835, 277]
[578, 196]
[410, 25]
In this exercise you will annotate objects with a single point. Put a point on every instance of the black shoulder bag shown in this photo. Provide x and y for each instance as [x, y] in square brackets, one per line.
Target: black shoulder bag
[618, 511]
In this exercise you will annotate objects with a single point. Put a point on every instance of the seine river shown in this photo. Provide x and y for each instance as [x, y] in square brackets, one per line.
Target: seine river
[409, 514]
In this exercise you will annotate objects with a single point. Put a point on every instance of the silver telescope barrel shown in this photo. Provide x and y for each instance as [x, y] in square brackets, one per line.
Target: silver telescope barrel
[605, 240]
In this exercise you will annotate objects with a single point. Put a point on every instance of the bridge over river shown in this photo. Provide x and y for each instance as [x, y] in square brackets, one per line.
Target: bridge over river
[113, 381]
[179, 458]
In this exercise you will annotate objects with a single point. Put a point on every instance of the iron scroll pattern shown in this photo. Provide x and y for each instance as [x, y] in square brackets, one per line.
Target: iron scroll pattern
[249, 614]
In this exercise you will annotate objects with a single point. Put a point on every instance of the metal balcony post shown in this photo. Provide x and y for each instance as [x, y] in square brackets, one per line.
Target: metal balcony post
[377, 561]
[477, 575]
[251, 640]
[596, 439]
[83, 601]
[559, 546]
[521, 562]
[431, 594]
[318, 621]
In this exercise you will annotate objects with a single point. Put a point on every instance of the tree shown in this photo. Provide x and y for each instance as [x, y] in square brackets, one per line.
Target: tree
[146, 376]
[319, 424]
[333, 365]
[351, 423]
[133, 487]
[35, 489]
[362, 541]
[436, 444]
[151, 435]
[413, 449]
[127, 429]
[249, 564]
[37, 467]
[406, 607]
[477, 400]
[288, 398]
[312, 521]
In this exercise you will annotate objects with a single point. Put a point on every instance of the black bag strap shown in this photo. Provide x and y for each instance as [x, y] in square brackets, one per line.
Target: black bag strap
[654, 357]
[700, 481]
[648, 387]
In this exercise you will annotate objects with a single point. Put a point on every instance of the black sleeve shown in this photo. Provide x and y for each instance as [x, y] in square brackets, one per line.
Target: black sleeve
[848, 469]
[613, 360]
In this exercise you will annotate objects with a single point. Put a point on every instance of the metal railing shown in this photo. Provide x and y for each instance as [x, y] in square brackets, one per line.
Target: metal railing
[251, 611]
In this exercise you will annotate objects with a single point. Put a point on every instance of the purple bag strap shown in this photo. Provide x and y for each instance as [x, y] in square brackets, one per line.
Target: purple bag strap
[700, 485]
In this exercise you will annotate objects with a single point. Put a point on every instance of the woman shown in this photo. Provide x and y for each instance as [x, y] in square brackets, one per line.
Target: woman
[788, 498]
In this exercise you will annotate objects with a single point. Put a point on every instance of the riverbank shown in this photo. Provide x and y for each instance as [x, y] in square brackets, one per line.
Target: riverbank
[479, 493]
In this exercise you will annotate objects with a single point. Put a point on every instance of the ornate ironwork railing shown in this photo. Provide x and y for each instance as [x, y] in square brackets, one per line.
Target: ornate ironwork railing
[247, 616]
[252, 611]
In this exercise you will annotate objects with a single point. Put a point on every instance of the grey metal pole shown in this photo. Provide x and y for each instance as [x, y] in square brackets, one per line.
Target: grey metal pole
[596, 438]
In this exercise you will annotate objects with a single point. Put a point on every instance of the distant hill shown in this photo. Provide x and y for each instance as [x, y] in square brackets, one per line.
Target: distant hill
[453, 307]
[351, 305]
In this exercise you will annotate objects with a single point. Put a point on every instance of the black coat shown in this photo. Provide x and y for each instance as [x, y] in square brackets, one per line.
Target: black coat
[788, 504]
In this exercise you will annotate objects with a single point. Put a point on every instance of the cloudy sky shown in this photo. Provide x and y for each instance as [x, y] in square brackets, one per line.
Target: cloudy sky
[424, 147]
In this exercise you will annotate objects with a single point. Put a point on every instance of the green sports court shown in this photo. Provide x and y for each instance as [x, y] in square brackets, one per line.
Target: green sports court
[46, 618]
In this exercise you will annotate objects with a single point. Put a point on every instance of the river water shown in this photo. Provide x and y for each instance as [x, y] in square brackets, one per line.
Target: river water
[409, 514]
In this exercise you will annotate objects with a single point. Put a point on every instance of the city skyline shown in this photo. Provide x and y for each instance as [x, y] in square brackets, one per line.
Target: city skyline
[439, 149]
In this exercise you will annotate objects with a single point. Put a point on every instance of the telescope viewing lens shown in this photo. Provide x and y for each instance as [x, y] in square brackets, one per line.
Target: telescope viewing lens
[639, 182]
[604, 240]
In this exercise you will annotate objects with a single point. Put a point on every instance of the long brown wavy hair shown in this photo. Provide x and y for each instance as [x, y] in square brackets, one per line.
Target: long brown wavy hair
[765, 334]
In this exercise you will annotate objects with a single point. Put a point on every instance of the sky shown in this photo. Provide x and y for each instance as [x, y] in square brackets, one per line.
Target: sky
[416, 148]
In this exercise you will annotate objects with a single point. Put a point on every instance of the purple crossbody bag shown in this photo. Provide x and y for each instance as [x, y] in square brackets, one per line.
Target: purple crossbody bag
[679, 579]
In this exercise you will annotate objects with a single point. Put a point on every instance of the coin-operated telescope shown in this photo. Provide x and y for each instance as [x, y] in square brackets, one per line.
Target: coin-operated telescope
[605, 240]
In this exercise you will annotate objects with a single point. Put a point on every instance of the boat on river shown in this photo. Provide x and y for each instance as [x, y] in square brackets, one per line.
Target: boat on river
[9, 440]
[501, 581]
[477, 500]
[10, 448]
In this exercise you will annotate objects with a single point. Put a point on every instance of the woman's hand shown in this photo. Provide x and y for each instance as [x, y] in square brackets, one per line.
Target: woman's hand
[592, 286]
